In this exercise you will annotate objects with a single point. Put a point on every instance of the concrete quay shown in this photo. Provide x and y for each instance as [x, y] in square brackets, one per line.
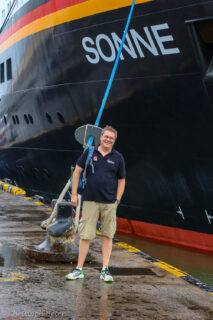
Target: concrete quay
[38, 290]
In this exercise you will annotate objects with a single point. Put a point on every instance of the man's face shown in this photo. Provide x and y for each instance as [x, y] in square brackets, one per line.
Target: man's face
[108, 139]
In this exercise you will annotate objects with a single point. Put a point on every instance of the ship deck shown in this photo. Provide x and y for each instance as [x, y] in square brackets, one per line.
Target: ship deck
[38, 290]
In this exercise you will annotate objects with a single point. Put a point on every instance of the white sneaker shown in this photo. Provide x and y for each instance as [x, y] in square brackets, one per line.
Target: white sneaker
[106, 276]
[75, 274]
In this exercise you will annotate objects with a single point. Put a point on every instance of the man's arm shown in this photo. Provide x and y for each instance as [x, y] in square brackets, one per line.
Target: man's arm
[121, 187]
[75, 182]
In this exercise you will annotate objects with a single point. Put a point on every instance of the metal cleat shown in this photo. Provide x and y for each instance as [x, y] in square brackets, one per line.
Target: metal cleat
[36, 197]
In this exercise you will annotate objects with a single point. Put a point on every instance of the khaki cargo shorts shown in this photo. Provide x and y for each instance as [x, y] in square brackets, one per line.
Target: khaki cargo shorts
[90, 214]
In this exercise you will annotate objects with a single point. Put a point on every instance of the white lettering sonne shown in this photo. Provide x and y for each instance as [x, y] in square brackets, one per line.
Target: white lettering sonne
[105, 47]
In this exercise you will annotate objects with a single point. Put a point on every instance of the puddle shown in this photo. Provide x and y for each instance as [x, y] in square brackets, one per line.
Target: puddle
[11, 257]
[131, 271]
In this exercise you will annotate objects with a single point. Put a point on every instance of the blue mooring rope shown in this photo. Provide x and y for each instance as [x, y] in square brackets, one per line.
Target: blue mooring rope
[91, 138]
[113, 72]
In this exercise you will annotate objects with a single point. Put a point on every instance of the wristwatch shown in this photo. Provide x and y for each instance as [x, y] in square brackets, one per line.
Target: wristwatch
[118, 201]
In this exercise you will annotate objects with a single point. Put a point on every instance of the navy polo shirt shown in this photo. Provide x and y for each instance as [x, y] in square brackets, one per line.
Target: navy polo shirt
[102, 185]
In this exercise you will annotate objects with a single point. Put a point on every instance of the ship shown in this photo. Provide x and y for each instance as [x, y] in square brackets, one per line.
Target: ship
[56, 57]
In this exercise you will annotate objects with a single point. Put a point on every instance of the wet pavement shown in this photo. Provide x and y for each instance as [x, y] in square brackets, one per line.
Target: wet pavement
[38, 290]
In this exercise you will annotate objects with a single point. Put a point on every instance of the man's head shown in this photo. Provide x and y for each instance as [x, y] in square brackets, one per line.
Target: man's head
[108, 137]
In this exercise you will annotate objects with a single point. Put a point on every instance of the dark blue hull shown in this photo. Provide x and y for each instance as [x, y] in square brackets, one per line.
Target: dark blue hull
[160, 103]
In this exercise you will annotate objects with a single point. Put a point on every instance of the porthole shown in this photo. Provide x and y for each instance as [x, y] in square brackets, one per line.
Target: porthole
[20, 170]
[60, 117]
[26, 119]
[49, 118]
[37, 173]
[46, 173]
[30, 118]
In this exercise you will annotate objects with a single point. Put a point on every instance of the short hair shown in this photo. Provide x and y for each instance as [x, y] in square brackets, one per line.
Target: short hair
[109, 128]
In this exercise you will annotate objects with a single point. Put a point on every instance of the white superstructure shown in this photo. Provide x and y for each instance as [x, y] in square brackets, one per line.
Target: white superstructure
[5, 6]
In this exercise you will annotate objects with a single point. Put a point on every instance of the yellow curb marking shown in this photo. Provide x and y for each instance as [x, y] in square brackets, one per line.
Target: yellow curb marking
[20, 192]
[128, 247]
[171, 269]
[38, 203]
[5, 187]
[17, 191]
[161, 264]
[13, 276]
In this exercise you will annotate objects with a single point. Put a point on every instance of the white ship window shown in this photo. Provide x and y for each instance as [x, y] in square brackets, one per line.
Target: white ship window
[49, 118]
[3, 15]
[9, 5]
[5, 120]
[2, 72]
[9, 69]
[14, 119]
[60, 117]
[17, 119]
[26, 119]
[30, 118]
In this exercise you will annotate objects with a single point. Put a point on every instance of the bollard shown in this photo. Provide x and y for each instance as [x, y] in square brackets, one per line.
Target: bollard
[59, 244]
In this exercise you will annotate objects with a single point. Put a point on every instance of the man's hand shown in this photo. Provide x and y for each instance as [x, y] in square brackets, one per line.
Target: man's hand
[74, 200]
[75, 182]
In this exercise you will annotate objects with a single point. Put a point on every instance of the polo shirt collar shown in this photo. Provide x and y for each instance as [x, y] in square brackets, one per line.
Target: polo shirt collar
[112, 152]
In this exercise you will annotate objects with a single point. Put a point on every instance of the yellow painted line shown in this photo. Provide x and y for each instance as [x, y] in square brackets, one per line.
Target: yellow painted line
[14, 277]
[27, 198]
[128, 247]
[81, 10]
[171, 269]
[39, 203]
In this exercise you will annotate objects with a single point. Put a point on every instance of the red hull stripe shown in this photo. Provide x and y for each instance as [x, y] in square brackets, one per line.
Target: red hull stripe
[185, 238]
[41, 11]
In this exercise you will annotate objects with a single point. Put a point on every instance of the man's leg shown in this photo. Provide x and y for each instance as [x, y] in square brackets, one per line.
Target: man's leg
[83, 250]
[108, 228]
[78, 273]
[106, 250]
[87, 229]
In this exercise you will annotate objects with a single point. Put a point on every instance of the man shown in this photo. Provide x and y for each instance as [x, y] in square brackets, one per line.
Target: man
[101, 196]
